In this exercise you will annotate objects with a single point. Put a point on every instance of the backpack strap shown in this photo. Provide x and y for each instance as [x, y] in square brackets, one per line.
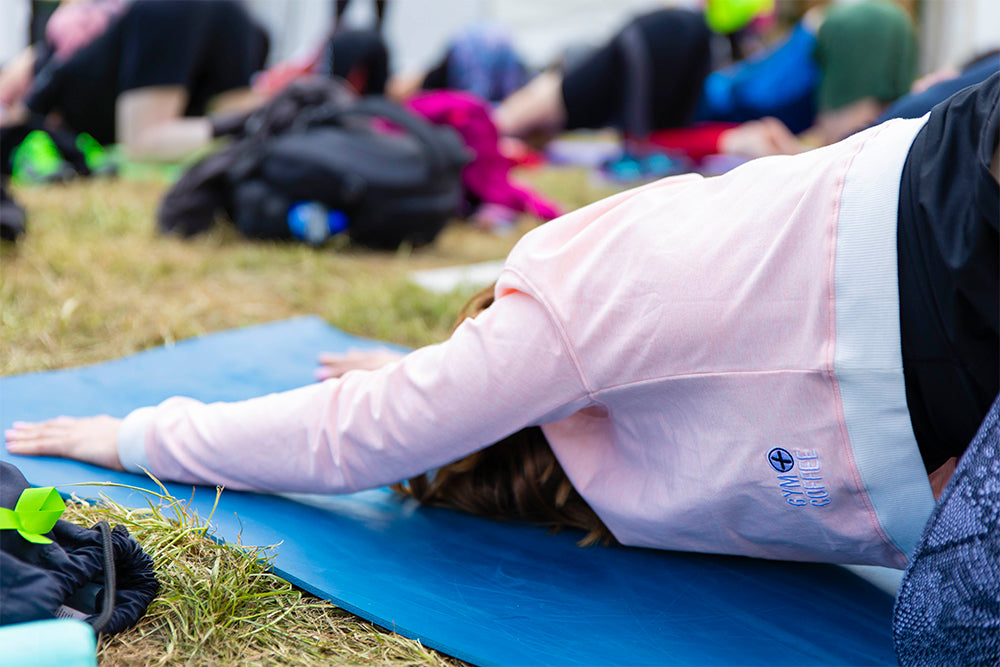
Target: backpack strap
[443, 148]
[100, 622]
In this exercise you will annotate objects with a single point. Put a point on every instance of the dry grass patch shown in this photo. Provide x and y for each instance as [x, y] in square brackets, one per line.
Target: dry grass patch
[92, 281]
[218, 605]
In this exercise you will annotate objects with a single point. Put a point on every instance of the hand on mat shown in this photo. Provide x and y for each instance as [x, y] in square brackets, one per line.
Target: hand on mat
[335, 365]
[759, 138]
[91, 440]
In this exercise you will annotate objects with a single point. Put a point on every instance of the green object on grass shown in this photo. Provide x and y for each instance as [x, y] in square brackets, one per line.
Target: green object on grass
[94, 155]
[35, 514]
[134, 170]
[37, 159]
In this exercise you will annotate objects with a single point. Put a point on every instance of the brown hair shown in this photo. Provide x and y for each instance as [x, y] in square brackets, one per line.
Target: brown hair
[516, 478]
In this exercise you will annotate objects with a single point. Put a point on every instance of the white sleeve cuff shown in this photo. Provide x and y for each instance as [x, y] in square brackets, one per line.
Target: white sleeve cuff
[132, 440]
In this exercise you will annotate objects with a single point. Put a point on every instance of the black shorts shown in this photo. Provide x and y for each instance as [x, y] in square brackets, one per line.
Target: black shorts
[678, 44]
[949, 281]
[206, 46]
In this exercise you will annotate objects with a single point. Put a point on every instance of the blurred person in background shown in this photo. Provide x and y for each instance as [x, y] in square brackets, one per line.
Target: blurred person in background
[146, 75]
[833, 74]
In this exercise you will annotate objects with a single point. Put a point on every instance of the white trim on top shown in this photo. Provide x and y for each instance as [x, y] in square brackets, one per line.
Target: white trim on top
[867, 359]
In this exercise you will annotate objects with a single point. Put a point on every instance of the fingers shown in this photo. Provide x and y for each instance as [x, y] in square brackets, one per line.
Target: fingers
[92, 440]
[782, 140]
[44, 439]
[27, 436]
[335, 365]
[328, 358]
[746, 140]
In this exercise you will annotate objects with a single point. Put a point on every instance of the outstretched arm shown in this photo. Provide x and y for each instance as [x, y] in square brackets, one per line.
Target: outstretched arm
[95, 439]
[150, 123]
[16, 76]
[504, 370]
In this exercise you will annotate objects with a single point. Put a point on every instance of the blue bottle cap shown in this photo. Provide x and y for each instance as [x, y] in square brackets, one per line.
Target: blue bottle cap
[313, 223]
[336, 221]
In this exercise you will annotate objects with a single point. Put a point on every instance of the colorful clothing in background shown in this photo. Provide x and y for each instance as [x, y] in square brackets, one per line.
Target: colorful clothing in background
[780, 82]
[481, 60]
[865, 50]
[487, 179]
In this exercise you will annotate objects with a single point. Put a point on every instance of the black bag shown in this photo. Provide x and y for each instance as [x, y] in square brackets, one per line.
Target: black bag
[399, 183]
[100, 575]
[12, 216]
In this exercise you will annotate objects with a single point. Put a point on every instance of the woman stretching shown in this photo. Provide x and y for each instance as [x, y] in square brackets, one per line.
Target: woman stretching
[780, 362]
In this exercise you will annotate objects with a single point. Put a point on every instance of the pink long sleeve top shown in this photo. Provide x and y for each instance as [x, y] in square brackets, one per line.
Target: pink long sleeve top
[715, 363]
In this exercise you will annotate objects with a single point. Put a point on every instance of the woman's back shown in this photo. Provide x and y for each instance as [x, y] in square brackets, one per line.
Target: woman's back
[732, 334]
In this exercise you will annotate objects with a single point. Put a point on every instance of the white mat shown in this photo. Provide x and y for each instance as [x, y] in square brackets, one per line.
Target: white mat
[452, 278]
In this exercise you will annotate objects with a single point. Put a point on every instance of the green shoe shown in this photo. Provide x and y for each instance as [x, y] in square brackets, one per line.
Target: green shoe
[97, 158]
[37, 160]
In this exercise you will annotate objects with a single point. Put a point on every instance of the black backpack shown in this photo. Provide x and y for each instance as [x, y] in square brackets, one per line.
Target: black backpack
[100, 575]
[395, 176]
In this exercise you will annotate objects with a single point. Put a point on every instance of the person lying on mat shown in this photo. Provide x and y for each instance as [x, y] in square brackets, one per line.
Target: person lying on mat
[782, 362]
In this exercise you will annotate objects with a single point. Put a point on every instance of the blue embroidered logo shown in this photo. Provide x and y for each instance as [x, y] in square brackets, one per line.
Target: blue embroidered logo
[780, 459]
[805, 486]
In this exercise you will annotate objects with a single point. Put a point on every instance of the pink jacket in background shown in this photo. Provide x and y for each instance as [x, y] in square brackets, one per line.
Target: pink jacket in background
[716, 363]
[488, 176]
[75, 25]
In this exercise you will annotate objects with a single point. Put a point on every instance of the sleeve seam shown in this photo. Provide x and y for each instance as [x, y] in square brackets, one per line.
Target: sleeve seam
[537, 295]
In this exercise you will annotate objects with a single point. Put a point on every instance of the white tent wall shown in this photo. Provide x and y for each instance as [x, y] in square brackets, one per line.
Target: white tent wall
[418, 30]
[294, 26]
[15, 19]
[541, 31]
[952, 31]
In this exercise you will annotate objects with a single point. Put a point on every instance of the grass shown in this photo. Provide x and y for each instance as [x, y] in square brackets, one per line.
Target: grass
[92, 281]
[218, 605]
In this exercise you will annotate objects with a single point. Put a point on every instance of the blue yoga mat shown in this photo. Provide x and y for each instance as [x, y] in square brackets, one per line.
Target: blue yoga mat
[489, 593]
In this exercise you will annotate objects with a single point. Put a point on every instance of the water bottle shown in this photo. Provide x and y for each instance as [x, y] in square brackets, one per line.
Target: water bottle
[314, 223]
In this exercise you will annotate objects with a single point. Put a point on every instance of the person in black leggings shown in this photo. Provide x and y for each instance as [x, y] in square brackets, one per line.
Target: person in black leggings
[150, 80]
[649, 76]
